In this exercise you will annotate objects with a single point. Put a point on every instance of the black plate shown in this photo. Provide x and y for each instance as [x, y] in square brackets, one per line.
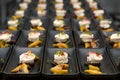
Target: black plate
[75, 25]
[49, 56]
[66, 22]
[105, 36]
[4, 54]
[51, 39]
[106, 66]
[14, 61]
[28, 25]
[115, 54]
[78, 41]
[23, 39]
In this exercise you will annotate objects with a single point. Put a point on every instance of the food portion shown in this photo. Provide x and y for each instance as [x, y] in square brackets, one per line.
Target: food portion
[5, 39]
[61, 57]
[105, 25]
[84, 25]
[41, 8]
[94, 58]
[78, 10]
[93, 5]
[23, 6]
[60, 13]
[19, 14]
[88, 40]
[37, 24]
[99, 14]
[114, 40]
[59, 25]
[13, 24]
[34, 39]
[61, 40]
[93, 62]
[61, 63]
[25, 61]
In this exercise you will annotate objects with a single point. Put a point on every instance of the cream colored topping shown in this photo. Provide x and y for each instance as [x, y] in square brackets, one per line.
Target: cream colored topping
[36, 22]
[23, 5]
[98, 12]
[27, 57]
[5, 36]
[61, 58]
[105, 23]
[19, 13]
[79, 12]
[86, 37]
[85, 22]
[61, 37]
[58, 23]
[33, 36]
[93, 57]
[60, 12]
[115, 37]
[13, 23]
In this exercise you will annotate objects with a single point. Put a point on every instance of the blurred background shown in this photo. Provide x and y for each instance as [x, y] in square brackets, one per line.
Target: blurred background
[111, 6]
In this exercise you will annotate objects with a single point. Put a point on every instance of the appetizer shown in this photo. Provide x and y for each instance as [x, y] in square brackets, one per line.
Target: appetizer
[61, 40]
[60, 13]
[99, 14]
[61, 37]
[23, 6]
[34, 39]
[60, 60]
[93, 6]
[93, 61]
[84, 25]
[19, 14]
[37, 25]
[80, 13]
[59, 25]
[105, 25]
[60, 57]
[25, 61]
[88, 40]
[5, 39]
[115, 40]
[13, 24]
[41, 12]
[94, 58]
[93, 70]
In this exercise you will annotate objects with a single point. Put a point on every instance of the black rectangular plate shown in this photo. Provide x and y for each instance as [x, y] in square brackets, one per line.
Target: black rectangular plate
[14, 61]
[4, 54]
[23, 39]
[96, 37]
[51, 39]
[49, 56]
[106, 65]
[115, 54]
